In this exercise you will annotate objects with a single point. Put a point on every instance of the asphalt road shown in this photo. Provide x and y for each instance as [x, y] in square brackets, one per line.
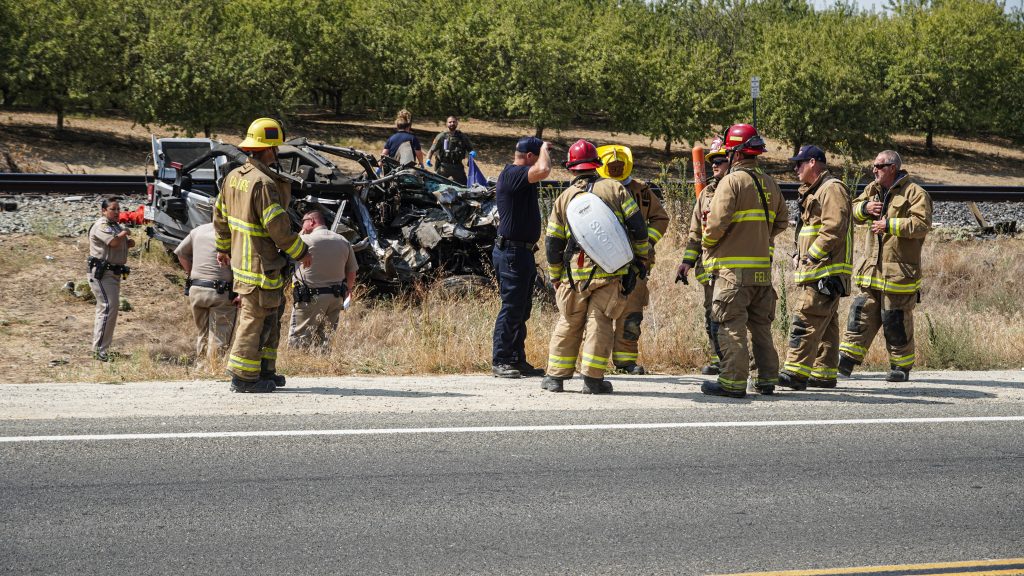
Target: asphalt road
[719, 487]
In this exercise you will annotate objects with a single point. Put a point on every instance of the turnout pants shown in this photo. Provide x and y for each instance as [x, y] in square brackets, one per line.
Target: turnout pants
[627, 326]
[256, 334]
[584, 318]
[814, 338]
[313, 323]
[108, 300]
[893, 313]
[737, 310]
[710, 326]
[214, 316]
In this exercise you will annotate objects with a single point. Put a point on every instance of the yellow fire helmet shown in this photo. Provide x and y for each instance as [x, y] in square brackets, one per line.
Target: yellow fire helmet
[717, 149]
[611, 156]
[263, 133]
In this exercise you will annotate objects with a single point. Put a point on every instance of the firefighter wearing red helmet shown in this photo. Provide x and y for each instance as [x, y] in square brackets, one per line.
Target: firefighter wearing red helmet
[744, 217]
[589, 297]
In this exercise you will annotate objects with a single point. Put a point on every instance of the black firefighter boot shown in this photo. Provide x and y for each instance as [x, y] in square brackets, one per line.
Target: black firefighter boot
[593, 385]
[793, 381]
[278, 379]
[898, 374]
[846, 366]
[552, 384]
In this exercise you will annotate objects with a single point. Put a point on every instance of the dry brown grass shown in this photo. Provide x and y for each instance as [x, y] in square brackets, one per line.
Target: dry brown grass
[971, 317]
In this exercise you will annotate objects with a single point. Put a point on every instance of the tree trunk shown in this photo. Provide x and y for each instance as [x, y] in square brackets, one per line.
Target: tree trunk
[796, 149]
[539, 132]
[929, 142]
[668, 148]
[207, 130]
[60, 120]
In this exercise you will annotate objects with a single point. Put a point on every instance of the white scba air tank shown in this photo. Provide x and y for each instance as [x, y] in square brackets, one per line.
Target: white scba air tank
[599, 232]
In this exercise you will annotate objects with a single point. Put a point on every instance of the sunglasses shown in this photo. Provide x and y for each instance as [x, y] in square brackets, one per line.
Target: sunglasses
[719, 161]
[881, 166]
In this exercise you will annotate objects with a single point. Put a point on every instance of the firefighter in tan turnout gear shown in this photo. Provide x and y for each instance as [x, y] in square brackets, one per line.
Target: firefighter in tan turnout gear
[108, 253]
[252, 227]
[617, 163]
[590, 297]
[889, 270]
[823, 268]
[745, 215]
[692, 256]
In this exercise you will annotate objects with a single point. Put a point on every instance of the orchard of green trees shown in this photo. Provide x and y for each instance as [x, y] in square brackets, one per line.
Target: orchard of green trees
[669, 69]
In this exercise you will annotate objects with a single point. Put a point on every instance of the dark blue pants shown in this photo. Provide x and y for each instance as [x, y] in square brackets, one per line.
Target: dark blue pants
[517, 272]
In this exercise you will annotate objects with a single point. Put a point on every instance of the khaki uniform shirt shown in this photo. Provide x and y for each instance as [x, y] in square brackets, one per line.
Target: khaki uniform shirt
[891, 261]
[653, 212]
[200, 246]
[826, 233]
[333, 259]
[103, 231]
[622, 204]
[738, 238]
[252, 226]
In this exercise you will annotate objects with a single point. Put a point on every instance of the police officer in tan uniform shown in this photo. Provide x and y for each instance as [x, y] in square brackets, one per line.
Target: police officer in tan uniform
[108, 254]
[889, 271]
[319, 291]
[617, 163]
[589, 298]
[692, 255]
[746, 214]
[209, 292]
[824, 262]
[252, 229]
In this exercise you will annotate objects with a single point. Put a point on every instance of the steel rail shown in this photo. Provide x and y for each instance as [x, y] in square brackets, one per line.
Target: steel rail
[121, 184]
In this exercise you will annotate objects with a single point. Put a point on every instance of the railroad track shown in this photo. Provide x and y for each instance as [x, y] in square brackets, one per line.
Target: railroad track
[126, 185]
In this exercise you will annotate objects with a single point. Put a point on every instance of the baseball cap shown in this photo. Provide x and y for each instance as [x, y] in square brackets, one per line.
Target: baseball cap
[809, 152]
[529, 144]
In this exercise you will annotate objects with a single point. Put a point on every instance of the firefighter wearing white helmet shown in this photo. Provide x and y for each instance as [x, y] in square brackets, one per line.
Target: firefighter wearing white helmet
[719, 160]
[745, 215]
[617, 163]
[599, 214]
[253, 229]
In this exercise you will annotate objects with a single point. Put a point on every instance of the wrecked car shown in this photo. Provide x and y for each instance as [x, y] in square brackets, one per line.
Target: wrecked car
[406, 224]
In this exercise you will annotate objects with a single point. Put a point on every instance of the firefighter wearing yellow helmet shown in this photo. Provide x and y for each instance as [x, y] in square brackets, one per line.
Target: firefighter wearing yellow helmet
[617, 163]
[253, 229]
[594, 220]
[719, 160]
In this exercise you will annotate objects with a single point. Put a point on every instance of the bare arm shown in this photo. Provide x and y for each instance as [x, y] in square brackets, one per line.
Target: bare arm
[186, 264]
[542, 167]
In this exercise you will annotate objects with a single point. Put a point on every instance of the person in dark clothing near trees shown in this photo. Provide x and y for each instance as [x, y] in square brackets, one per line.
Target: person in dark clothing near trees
[518, 233]
[403, 145]
[449, 150]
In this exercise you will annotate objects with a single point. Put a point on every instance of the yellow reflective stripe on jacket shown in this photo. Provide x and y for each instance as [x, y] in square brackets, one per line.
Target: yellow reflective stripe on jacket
[556, 231]
[887, 286]
[653, 235]
[641, 248]
[704, 277]
[861, 214]
[893, 226]
[810, 230]
[554, 270]
[239, 225]
[295, 249]
[629, 208]
[708, 241]
[223, 244]
[756, 215]
[582, 274]
[255, 279]
[738, 262]
[815, 252]
[822, 272]
[690, 255]
[271, 212]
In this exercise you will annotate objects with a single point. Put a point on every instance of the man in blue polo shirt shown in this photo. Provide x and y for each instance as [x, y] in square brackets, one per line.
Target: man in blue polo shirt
[518, 233]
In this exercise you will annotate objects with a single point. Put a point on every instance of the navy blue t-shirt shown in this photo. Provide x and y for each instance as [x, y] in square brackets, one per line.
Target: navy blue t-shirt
[399, 138]
[518, 208]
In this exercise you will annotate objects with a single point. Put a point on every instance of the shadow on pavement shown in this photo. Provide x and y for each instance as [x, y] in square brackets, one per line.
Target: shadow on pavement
[325, 391]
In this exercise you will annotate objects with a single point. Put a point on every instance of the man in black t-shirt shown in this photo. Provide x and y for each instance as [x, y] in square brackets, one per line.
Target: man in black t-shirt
[518, 233]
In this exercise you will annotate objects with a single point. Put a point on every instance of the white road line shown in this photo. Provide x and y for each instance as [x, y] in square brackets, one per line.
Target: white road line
[493, 429]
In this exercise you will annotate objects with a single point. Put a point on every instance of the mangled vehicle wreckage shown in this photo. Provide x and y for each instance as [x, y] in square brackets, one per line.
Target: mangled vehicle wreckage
[406, 224]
